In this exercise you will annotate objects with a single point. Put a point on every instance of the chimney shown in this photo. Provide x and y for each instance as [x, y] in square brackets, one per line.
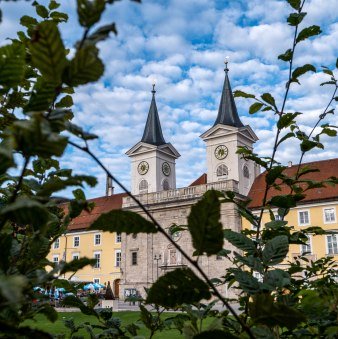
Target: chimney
[289, 163]
[109, 186]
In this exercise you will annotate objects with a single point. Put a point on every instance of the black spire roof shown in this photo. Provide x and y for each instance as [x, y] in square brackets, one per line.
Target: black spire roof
[227, 112]
[153, 132]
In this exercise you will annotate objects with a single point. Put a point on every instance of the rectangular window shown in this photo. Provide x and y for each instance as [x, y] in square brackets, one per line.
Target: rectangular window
[329, 215]
[118, 237]
[97, 256]
[56, 259]
[118, 258]
[134, 258]
[96, 280]
[97, 239]
[76, 241]
[332, 247]
[57, 243]
[258, 276]
[76, 256]
[303, 217]
[306, 248]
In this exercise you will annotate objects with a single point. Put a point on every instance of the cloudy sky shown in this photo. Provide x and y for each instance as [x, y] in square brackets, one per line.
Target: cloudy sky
[182, 44]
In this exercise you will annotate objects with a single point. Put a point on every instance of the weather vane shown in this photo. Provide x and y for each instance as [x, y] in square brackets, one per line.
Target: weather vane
[153, 84]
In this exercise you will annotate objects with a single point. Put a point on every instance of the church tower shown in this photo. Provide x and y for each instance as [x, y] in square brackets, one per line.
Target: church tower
[222, 141]
[152, 159]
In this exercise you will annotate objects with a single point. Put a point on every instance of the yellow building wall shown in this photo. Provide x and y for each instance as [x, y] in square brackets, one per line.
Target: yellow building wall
[318, 243]
[108, 248]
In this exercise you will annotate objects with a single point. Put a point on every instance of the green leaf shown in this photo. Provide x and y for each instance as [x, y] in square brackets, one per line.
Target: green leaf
[308, 32]
[12, 64]
[48, 52]
[89, 11]
[287, 56]
[267, 97]
[66, 101]
[241, 94]
[240, 241]
[6, 159]
[276, 224]
[28, 21]
[85, 67]
[255, 107]
[178, 287]
[302, 70]
[212, 334]
[274, 174]
[42, 11]
[42, 96]
[76, 265]
[72, 300]
[337, 63]
[294, 4]
[78, 131]
[307, 145]
[25, 211]
[53, 5]
[102, 33]
[295, 19]
[277, 278]
[286, 200]
[246, 281]
[286, 120]
[123, 221]
[204, 225]
[59, 17]
[275, 250]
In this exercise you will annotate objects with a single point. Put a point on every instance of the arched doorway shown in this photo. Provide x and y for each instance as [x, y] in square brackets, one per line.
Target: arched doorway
[117, 288]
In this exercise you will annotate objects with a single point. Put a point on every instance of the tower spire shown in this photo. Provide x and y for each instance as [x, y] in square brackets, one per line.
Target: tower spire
[153, 132]
[227, 112]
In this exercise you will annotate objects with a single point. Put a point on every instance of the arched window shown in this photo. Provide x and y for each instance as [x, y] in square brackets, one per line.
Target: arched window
[165, 185]
[246, 173]
[143, 185]
[222, 171]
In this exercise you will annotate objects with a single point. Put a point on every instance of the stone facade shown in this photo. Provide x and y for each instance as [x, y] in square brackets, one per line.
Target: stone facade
[155, 255]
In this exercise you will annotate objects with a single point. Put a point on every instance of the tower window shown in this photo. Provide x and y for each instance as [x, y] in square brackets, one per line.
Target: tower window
[165, 185]
[246, 173]
[143, 185]
[222, 171]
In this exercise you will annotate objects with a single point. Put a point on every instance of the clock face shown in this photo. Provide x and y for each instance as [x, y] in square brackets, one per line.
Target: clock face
[143, 167]
[166, 169]
[221, 152]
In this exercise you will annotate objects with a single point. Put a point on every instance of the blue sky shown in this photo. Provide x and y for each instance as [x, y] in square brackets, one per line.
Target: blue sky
[182, 44]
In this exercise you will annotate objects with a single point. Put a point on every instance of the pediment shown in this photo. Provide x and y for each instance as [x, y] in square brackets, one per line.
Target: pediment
[170, 150]
[247, 132]
[218, 130]
[141, 147]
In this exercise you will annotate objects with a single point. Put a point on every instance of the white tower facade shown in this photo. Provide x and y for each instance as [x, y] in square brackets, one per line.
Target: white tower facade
[222, 141]
[152, 159]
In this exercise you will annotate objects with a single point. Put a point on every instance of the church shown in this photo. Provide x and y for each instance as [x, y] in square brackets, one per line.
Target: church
[145, 257]
[132, 262]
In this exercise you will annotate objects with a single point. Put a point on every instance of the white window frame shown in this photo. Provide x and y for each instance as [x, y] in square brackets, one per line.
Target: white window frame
[74, 238]
[56, 244]
[118, 263]
[327, 243]
[118, 237]
[56, 256]
[75, 255]
[334, 212]
[258, 276]
[309, 221]
[100, 237]
[310, 245]
[220, 169]
[97, 265]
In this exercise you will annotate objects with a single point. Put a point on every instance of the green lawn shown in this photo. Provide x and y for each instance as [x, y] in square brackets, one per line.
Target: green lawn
[126, 317]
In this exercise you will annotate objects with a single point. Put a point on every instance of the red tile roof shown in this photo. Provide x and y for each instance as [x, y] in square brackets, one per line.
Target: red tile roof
[102, 205]
[200, 181]
[327, 168]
